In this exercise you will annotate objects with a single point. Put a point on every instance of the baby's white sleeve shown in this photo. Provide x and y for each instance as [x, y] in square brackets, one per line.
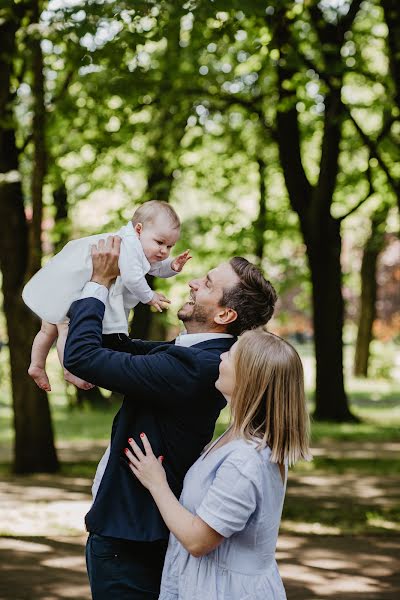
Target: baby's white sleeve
[132, 271]
[163, 269]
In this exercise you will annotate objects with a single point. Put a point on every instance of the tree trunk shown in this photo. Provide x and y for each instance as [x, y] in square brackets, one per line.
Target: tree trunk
[141, 320]
[34, 449]
[39, 149]
[391, 9]
[260, 222]
[321, 232]
[367, 311]
[326, 276]
[61, 218]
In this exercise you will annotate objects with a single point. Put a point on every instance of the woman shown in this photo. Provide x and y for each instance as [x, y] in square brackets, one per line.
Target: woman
[225, 527]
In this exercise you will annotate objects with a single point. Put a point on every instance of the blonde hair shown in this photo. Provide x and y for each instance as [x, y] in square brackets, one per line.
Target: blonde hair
[148, 212]
[268, 401]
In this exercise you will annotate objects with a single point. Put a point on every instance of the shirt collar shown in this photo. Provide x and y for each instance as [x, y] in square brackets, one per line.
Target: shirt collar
[189, 339]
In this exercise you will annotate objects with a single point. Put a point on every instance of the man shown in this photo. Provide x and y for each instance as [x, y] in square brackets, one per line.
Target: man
[169, 394]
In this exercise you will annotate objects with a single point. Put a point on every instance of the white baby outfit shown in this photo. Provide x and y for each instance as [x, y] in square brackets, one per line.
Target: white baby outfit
[52, 290]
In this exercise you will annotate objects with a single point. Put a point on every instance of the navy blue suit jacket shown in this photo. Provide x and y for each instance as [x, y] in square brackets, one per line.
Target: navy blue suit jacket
[169, 394]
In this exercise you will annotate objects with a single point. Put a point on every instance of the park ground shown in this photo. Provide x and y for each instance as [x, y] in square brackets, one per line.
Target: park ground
[340, 533]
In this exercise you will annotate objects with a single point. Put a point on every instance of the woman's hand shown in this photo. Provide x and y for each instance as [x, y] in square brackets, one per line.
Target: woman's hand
[146, 467]
[194, 534]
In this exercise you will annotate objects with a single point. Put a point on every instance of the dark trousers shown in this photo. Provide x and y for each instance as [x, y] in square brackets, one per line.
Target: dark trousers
[124, 570]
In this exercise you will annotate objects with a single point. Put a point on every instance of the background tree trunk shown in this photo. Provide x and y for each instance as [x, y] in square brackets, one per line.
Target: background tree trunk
[34, 449]
[326, 276]
[367, 312]
[321, 234]
[391, 10]
[260, 222]
[62, 223]
[39, 148]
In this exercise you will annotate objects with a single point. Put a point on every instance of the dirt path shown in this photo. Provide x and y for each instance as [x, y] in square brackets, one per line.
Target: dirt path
[42, 539]
[312, 568]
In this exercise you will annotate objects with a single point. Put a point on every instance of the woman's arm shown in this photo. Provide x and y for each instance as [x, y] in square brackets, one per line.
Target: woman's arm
[194, 534]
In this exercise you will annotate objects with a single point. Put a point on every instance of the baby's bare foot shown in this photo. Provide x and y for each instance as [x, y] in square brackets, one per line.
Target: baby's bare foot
[77, 381]
[39, 376]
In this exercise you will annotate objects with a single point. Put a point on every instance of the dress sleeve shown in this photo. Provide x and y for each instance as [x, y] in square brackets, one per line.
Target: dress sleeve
[163, 269]
[230, 501]
[133, 274]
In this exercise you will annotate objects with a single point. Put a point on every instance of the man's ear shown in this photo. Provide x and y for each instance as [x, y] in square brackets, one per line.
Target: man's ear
[225, 316]
[138, 228]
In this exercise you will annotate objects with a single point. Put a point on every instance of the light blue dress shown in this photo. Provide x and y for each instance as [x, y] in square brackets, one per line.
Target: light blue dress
[238, 492]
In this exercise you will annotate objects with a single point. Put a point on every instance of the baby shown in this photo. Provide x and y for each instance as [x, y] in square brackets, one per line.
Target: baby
[146, 244]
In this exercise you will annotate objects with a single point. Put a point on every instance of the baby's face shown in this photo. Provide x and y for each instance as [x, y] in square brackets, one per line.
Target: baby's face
[158, 238]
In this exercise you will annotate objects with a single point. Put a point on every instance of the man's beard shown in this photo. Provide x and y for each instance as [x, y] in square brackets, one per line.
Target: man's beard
[198, 315]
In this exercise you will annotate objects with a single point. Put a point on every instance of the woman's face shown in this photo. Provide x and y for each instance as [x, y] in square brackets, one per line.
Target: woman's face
[227, 377]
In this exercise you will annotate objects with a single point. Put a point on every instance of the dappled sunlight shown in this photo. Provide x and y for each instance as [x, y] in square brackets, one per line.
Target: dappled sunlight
[352, 486]
[31, 508]
[310, 528]
[366, 450]
[9, 543]
[65, 562]
[43, 555]
[43, 567]
[49, 518]
[327, 567]
[349, 489]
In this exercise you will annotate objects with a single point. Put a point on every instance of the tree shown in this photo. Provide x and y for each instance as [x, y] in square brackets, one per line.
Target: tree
[312, 203]
[391, 10]
[34, 449]
[367, 311]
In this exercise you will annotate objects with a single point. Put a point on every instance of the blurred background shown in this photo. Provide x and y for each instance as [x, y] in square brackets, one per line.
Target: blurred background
[273, 128]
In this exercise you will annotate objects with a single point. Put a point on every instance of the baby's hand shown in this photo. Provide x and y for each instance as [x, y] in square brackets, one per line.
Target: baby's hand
[180, 261]
[159, 301]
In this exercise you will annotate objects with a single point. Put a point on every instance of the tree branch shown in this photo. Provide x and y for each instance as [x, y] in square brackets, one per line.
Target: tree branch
[63, 88]
[370, 143]
[346, 22]
[24, 146]
[369, 193]
[374, 152]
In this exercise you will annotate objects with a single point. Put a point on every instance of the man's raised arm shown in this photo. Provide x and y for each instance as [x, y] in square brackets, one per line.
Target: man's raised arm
[147, 376]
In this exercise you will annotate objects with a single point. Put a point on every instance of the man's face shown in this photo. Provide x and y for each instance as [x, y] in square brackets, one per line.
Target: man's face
[205, 296]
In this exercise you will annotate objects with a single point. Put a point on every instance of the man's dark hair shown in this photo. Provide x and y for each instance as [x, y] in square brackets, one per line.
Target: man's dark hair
[253, 298]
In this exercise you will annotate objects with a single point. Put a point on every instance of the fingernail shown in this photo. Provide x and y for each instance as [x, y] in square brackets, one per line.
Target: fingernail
[126, 450]
[161, 458]
[142, 435]
[130, 440]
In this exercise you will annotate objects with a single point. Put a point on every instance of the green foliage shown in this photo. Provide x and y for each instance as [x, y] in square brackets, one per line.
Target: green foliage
[179, 101]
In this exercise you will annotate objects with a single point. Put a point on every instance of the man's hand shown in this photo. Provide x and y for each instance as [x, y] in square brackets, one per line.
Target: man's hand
[159, 301]
[180, 261]
[105, 260]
